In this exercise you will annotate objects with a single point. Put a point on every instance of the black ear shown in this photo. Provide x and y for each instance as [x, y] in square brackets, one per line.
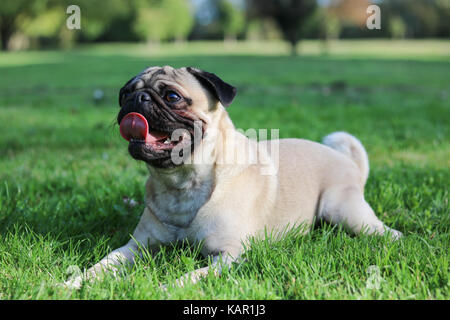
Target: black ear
[223, 91]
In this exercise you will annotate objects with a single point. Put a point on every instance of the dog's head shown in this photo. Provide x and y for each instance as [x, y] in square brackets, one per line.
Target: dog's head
[161, 100]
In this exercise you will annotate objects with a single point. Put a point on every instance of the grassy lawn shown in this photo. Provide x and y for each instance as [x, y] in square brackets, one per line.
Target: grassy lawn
[64, 170]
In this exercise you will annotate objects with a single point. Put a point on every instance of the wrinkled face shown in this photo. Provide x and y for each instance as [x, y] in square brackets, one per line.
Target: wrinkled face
[162, 100]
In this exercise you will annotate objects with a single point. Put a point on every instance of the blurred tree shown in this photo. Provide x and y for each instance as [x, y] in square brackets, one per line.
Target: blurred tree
[97, 18]
[443, 9]
[325, 25]
[422, 18]
[331, 26]
[181, 18]
[44, 21]
[46, 24]
[290, 15]
[259, 29]
[11, 12]
[231, 19]
[397, 27]
[48, 20]
[158, 20]
[150, 23]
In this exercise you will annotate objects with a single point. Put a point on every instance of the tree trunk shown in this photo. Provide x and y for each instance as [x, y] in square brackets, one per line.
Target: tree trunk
[292, 37]
[325, 44]
[5, 34]
[6, 30]
[293, 48]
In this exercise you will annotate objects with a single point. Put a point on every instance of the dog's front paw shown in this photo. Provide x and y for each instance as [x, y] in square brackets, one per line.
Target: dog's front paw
[75, 278]
[163, 287]
[73, 283]
[394, 234]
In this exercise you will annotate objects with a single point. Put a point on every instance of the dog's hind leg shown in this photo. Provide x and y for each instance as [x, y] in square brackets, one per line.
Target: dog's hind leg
[345, 205]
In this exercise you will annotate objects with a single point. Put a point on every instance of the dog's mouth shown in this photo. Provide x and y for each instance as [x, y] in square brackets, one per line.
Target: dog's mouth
[150, 144]
[134, 128]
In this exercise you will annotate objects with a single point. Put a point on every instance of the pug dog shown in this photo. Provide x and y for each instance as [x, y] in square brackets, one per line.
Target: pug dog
[209, 183]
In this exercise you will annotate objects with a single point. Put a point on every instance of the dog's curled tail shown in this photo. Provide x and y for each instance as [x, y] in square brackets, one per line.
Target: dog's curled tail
[351, 147]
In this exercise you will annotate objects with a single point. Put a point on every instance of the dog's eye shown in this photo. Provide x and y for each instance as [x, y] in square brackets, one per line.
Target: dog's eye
[172, 96]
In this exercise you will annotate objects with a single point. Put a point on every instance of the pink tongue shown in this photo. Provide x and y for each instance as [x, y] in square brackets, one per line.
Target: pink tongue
[135, 126]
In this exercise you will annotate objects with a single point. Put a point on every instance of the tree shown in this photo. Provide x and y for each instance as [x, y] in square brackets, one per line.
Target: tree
[158, 20]
[290, 16]
[150, 23]
[47, 19]
[181, 18]
[420, 18]
[46, 24]
[10, 14]
[231, 19]
[326, 26]
[397, 27]
[97, 18]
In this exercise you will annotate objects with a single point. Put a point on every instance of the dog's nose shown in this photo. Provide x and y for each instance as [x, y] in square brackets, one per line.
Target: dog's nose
[141, 97]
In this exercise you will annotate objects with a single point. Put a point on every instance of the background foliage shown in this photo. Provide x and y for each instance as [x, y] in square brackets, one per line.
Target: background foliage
[41, 23]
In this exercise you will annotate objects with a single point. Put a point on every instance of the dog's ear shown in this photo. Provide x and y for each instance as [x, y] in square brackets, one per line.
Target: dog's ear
[223, 91]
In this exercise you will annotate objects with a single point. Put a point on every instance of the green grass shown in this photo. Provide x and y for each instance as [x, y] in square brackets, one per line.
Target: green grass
[64, 170]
